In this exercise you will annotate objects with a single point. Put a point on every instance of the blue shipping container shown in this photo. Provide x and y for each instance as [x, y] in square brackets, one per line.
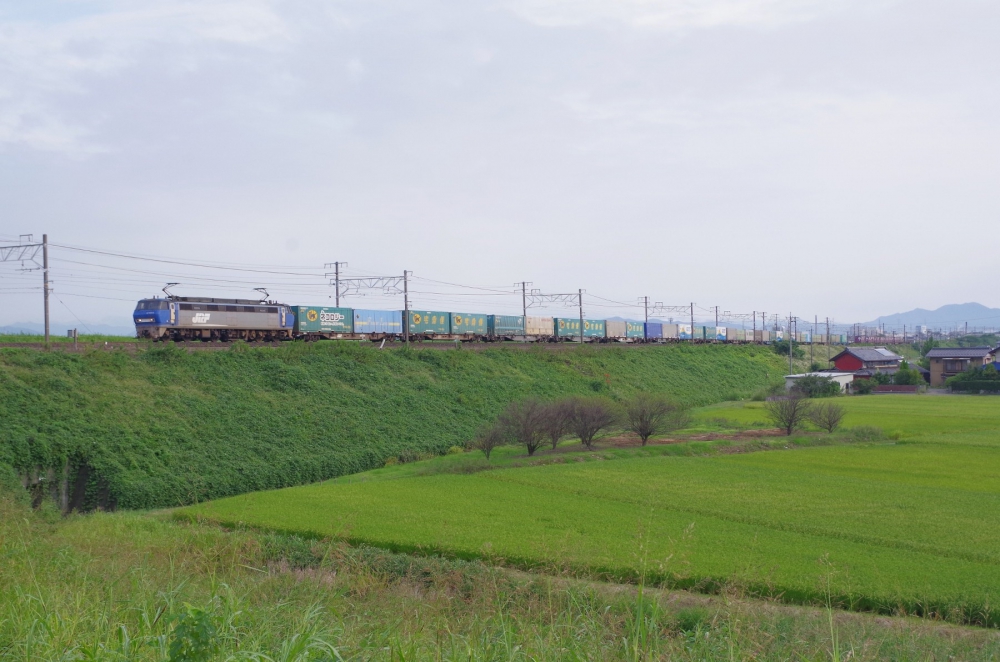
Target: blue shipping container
[378, 321]
[654, 330]
[505, 325]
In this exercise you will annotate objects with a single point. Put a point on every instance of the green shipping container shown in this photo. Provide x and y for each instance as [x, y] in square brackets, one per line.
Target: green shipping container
[566, 327]
[593, 328]
[429, 322]
[317, 319]
[469, 324]
[635, 330]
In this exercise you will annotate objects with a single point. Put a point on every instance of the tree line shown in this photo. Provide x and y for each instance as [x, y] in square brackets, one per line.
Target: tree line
[534, 423]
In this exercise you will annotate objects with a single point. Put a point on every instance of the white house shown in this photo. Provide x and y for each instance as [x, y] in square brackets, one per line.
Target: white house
[842, 378]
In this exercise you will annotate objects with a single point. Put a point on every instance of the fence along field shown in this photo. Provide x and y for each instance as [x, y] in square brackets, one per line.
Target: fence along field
[901, 526]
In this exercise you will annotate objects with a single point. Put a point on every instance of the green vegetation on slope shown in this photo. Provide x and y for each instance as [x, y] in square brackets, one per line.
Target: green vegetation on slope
[900, 526]
[165, 427]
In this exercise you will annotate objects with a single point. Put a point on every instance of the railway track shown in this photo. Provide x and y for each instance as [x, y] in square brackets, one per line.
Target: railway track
[196, 346]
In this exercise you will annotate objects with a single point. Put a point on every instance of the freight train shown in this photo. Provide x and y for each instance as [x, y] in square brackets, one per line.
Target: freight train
[197, 318]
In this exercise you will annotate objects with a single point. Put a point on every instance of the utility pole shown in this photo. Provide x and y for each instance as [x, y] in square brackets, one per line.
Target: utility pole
[791, 347]
[754, 316]
[645, 305]
[45, 283]
[716, 316]
[579, 294]
[812, 340]
[524, 306]
[524, 300]
[336, 278]
[827, 339]
[692, 321]
[406, 307]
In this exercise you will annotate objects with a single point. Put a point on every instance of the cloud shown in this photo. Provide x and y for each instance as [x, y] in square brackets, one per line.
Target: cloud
[47, 68]
[678, 14]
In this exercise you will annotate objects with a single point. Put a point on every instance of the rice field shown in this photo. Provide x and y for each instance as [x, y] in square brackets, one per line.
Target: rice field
[906, 525]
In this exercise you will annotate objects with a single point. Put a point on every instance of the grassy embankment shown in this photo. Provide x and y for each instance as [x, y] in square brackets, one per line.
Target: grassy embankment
[165, 427]
[900, 526]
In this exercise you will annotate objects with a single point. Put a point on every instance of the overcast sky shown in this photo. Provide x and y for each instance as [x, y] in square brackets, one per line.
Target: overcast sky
[830, 157]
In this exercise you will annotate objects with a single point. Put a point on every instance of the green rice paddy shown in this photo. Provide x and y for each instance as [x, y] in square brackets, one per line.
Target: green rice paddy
[907, 525]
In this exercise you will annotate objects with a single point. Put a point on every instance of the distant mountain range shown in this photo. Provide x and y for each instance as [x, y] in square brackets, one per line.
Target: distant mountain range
[945, 317]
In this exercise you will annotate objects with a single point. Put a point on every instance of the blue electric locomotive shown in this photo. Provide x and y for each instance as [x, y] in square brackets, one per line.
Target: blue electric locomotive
[200, 318]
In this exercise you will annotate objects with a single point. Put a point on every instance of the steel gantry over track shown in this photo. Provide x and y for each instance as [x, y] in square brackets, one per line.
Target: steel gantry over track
[388, 285]
[537, 298]
[26, 251]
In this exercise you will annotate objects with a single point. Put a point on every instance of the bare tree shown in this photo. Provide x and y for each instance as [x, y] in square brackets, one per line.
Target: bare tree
[590, 417]
[647, 414]
[827, 416]
[489, 437]
[522, 422]
[788, 412]
[556, 418]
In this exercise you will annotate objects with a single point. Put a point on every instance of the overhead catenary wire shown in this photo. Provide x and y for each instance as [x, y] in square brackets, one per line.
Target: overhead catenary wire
[288, 281]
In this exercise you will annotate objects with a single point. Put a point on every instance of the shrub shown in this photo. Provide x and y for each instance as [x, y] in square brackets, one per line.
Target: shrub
[194, 637]
[788, 413]
[488, 438]
[863, 386]
[455, 450]
[590, 417]
[827, 416]
[556, 418]
[814, 386]
[906, 376]
[647, 414]
[781, 347]
[522, 422]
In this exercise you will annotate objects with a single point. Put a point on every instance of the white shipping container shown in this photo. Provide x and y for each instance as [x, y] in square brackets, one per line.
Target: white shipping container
[670, 331]
[538, 326]
[615, 329]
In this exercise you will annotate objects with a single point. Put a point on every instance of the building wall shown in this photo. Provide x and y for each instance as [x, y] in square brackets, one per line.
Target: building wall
[941, 370]
[849, 363]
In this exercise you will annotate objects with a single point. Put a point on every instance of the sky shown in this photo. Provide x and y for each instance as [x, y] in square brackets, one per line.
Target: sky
[830, 158]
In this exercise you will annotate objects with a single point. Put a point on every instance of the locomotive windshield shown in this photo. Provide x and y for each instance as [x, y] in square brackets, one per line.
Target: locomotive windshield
[153, 304]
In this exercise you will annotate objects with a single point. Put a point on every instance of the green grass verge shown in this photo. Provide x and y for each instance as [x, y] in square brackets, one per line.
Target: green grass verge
[118, 586]
[904, 526]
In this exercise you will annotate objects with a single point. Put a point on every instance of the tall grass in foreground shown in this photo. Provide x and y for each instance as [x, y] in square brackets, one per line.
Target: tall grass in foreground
[134, 587]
